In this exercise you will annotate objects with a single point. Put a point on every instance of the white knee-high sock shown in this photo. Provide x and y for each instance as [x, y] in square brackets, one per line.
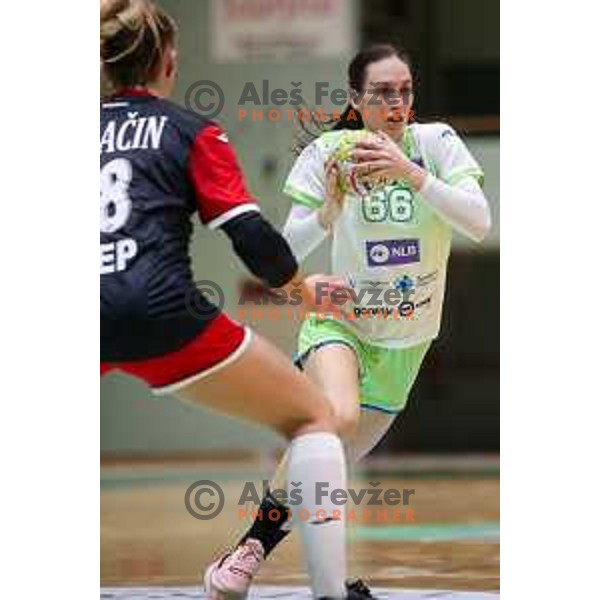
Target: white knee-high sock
[372, 427]
[317, 458]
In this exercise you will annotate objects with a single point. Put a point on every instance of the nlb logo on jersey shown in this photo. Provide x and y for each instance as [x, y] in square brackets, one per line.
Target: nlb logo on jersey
[393, 252]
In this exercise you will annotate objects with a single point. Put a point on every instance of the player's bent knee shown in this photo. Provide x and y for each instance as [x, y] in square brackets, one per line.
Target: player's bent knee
[317, 418]
[346, 422]
[291, 430]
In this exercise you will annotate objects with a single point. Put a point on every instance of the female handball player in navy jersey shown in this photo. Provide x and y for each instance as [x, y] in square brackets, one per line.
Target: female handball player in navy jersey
[159, 165]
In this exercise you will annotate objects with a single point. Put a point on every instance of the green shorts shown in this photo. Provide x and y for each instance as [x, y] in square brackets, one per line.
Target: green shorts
[386, 375]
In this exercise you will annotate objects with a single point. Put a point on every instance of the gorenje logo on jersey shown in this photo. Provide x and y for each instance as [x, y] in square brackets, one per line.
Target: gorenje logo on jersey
[392, 252]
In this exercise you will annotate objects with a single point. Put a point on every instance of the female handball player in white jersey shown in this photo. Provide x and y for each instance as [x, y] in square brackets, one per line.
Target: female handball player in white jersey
[389, 192]
[159, 165]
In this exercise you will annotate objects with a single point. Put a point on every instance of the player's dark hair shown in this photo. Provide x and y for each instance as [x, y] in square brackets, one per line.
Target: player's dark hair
[133, 38]
[357, 70]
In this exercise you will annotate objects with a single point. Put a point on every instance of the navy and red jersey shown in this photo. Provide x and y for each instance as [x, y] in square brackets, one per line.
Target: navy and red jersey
[159, 164]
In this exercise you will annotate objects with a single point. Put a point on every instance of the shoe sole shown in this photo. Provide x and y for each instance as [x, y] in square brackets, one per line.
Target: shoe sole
[215, 594]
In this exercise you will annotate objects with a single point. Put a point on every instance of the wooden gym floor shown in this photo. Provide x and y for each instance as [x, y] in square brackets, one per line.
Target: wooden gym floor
[151, 547]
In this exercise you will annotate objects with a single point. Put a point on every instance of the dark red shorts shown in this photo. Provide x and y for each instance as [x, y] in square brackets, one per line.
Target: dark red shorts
[216, 346]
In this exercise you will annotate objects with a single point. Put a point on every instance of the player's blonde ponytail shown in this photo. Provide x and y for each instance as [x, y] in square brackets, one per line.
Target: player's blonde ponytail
[133, 37]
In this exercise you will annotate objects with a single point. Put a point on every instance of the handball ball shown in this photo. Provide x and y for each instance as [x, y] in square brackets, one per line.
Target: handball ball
[351, 180]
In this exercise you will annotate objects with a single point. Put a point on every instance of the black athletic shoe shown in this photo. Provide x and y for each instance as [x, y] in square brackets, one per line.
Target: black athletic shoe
[359, 587]
[357, 590]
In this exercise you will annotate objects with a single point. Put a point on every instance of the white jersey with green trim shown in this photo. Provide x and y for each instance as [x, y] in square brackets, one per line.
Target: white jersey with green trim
[388, 243]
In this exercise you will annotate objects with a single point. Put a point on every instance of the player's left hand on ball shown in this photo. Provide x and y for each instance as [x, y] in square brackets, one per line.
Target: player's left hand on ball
[334, 196]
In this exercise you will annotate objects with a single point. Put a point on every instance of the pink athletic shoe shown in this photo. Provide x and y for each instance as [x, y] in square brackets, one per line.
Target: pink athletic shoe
[230, 577]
